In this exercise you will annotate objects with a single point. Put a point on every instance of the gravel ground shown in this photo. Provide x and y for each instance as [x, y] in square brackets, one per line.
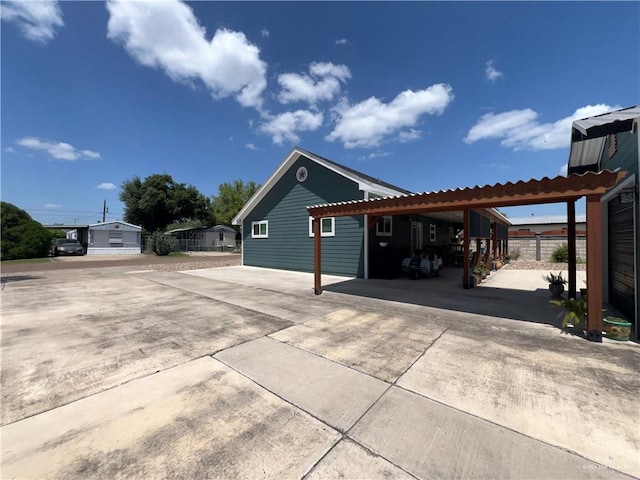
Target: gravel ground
[191, 265]
[534, 265]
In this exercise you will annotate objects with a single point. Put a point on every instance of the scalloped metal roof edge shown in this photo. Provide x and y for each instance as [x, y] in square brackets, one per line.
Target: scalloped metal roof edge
[477, 188]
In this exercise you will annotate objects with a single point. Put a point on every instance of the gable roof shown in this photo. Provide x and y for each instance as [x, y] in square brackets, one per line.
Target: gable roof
[215, 228]
[120, 222]
[358, 174]
[365, 182]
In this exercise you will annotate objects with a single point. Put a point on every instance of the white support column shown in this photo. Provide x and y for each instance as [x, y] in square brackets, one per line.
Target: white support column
[366, 241]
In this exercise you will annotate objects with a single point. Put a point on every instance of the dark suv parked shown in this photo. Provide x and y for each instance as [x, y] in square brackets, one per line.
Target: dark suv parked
[66, 246]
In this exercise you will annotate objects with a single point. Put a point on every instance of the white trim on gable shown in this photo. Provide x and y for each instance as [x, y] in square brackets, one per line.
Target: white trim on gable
[293, 156]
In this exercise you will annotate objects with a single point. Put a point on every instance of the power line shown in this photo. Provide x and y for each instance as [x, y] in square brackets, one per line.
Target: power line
[41, 211]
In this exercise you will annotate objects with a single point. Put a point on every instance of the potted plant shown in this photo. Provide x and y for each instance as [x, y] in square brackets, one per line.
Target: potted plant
[480, 272]
[556, 284]
[617, 328]
[576, 312]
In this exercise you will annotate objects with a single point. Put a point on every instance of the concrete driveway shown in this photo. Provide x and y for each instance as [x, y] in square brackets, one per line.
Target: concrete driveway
[241, 373]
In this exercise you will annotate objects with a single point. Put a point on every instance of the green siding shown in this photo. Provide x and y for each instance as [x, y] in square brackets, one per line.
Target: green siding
[626, 158]
[289, 245]
[502, 231]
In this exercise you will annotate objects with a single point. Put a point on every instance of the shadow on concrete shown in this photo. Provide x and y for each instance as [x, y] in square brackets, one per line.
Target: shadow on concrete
[18, 278]
[446, 292]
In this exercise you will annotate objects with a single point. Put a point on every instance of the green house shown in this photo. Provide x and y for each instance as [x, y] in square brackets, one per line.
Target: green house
[277, 229]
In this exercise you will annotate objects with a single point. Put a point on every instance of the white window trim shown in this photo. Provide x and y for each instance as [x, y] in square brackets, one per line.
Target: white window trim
[385, 234]
[332, 233]
[261, 222]
[432, 232]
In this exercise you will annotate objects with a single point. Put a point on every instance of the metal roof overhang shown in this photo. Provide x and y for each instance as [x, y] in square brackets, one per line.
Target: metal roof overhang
[605, 124]
[546, 190]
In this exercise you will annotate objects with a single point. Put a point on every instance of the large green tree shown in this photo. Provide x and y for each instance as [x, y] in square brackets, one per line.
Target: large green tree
[231, 198]
[23, 237]
[158, 201]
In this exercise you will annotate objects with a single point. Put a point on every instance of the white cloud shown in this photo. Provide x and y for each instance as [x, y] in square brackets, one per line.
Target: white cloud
[564, 170]
[283, 126]
[495, 165]
[368, 123]
[106, 186]
[167, 35]
[250, 146]
[342, 41]
[409, 135]
[265, 33]
[57, 150]
[373, 155]
[52, 205]
[323, 83]
[10, 150]
[491, 73]
[521, 130]
[37, 20]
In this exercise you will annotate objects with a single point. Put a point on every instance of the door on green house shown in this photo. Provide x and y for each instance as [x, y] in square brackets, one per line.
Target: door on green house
[416, 236]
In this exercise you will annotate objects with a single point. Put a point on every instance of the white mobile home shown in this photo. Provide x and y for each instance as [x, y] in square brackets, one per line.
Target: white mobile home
[115, 237]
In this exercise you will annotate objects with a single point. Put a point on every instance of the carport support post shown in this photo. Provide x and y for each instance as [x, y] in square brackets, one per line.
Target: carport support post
[494, 241]
[487, 262]
[571, 244]
[465, 257]
[317, 257]
[594, 268]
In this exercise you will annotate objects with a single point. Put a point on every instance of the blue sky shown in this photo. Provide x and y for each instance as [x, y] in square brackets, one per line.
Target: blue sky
[424, 95]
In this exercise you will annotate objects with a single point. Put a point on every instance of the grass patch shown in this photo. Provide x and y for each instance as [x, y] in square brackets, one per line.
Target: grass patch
[26, 260]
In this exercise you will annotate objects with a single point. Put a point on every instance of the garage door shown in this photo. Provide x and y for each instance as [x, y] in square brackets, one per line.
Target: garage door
[621, 257]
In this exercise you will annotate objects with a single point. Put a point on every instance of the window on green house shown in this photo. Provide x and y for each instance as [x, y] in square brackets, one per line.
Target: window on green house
[260, 229]
[327, 227]
[384, 227]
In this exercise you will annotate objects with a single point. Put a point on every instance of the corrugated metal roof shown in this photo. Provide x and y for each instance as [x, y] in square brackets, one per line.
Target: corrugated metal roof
[545, 220]
[545, 190]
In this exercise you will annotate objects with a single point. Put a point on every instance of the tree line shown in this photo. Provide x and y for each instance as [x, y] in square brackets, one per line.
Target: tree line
[22, 236]
[158, 202]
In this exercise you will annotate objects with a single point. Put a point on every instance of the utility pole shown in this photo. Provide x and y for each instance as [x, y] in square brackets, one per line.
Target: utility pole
[104, 211]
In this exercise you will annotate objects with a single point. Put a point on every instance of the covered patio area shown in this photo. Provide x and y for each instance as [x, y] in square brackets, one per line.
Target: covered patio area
[557, 190]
